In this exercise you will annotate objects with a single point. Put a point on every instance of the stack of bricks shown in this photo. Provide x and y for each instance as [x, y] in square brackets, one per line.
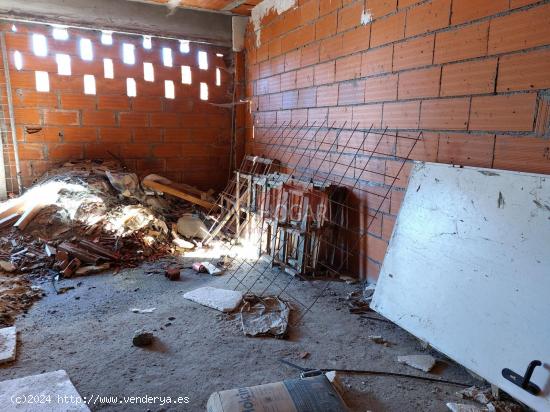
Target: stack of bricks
[185, 138]
[472, 75]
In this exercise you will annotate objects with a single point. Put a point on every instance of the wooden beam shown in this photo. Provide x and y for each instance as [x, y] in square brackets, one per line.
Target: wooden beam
[159, 187]
[28, 216]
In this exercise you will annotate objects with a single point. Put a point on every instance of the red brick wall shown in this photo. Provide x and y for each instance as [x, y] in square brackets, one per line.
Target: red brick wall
[472, 75]
[184, 139]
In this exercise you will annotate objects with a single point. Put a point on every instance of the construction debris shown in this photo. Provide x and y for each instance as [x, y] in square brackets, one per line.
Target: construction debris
[7, 266]
[357, 302]
[474, 393]
[71, 268]
[89, 270]
[379, 340]
[496, 406]
[207, 267]
[465, 407]
[143, 338]
[220, 299]
[264, 316]
[148, 310]
[163, 188]
[423, 362]
[8, 343]
[211, 269]
[16, 295]
[192, 227]
[173, 272]
[486, 398]
[86, 217]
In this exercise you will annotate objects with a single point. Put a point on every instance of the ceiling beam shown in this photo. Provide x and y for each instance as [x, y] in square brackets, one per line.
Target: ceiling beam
[125, 16]
[234, 5]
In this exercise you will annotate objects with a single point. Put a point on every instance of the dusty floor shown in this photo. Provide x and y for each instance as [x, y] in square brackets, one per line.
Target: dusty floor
[88, 332]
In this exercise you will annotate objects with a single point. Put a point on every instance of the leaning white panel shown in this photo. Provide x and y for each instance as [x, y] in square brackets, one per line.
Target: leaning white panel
[468, 270]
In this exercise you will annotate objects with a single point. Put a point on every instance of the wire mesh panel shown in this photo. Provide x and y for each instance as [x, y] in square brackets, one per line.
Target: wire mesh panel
[309, 212]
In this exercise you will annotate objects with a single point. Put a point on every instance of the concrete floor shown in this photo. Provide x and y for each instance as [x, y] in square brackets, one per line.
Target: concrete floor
[88, 332]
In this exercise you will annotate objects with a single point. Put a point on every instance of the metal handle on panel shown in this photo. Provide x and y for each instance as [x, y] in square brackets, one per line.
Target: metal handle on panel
[524, 381]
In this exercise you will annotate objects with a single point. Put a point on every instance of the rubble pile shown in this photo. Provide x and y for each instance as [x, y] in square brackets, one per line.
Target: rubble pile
[82, 218]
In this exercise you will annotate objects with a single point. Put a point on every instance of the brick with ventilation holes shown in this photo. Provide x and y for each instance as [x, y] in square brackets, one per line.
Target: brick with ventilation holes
[507, 113]
[61, 117]
[327, 95]
[474, 77]
[524, 71]
[29, 116]
[326, 26]
[467, 10]
[413, 53]
[522, 153]
[445, 114]
[348, 68]
[379, 8]
[402, 115]
[65, 151]
[367, 116]
[115, 134]
[377, 61]
[388, 29]
[324, 73]
[466, 149]
[463, 43]
[350, 17]
[419, 83]
[130, 119]
[351, 92]
[520, 30]
[381, 88]
[428, 17]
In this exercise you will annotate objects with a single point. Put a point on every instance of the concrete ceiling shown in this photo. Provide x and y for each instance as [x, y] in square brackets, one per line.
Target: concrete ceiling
[191, 23]
[241, 7]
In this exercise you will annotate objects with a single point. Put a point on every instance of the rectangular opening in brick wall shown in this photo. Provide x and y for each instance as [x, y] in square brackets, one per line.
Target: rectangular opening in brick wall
[107, 37]
[90, 94]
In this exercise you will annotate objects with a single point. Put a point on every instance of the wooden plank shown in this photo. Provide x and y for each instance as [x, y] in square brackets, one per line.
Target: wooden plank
[28, 216]
[12, 206]
[238, 203]
[467, 270]
[159, 187]
[9, 220]
[79, 253]
[98, 249]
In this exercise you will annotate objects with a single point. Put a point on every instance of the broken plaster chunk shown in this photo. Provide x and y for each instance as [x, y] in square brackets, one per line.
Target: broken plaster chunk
[221, 299]
[423, 362]
[7, 266]
[8, 343]
[474, 393]
[91, 269]
[148, 310]
[379, 339]
[464, 407]
[212, 269]
[503, 406]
